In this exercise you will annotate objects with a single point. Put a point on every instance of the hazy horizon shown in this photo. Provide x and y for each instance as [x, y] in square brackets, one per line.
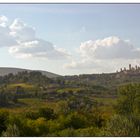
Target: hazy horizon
[118, 70]
[70, 39]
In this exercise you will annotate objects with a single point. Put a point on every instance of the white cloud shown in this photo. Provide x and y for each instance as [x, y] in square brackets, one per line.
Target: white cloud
[37, 48]
[109, 48]
[6, 39]
[108, 54]
[23, 42]
[21, 31]
[3, 21]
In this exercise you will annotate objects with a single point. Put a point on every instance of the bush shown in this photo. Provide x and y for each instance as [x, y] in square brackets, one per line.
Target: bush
[88, 132]
[69, 132]
[129, 99]
[19, 121]
[11, 131]
[28, 127]
[47, 113]
[41, 127]
[32, 115]
[75, 120]
[34, 128]
[54, 126]
[121, 126]
[3, 120]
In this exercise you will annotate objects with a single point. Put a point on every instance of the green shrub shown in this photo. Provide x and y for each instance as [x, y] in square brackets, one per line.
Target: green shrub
[54, 126]
[129, 99]
[19, 121]
[31, 115]
[75, 120]
[47, 113]
[3, 120]
[88, 132]
[121, 126]
[11, 131]
[69, 132]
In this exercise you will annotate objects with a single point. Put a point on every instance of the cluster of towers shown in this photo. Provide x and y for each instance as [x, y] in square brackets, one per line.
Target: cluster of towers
[131, 69]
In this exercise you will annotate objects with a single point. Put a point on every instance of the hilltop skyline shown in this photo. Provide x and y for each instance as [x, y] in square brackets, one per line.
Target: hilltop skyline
[70, 39]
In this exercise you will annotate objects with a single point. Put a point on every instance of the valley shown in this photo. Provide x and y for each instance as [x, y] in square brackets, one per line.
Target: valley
[32, 104]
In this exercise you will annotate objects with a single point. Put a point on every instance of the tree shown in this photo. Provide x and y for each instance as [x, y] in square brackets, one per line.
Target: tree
[75, 120]
[41, 126]
[3, 98]
[35, 127]
[121, 126]
[127, 120]
[31, 115]
[11, 131]
[129, 99]
[3, 119]
[47, 113]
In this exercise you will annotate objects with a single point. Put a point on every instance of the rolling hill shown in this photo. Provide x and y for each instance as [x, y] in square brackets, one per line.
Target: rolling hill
[7, 70]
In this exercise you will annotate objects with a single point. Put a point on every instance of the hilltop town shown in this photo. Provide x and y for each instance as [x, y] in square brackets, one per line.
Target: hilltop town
[130, 70]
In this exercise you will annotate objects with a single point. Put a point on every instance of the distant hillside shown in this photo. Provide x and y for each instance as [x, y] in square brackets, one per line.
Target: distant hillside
[6, 70]
[105, 79]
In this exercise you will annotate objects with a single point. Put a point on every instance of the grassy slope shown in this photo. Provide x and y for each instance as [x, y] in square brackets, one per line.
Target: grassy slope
[34, 104]
[28, 104]
[23, 85]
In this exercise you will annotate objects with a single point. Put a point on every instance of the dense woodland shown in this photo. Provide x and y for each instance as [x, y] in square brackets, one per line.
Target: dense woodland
[32, 104]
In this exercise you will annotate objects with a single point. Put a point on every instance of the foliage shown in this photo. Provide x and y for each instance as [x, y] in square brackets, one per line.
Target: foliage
[3, 120]
[88, 132]
[11, 131]
[129, 100]
[69, 132]
[3, 98]
[47, 113]
[31, 115]
[36, 127]
[74, 120]
[69, 106]
[121, 126]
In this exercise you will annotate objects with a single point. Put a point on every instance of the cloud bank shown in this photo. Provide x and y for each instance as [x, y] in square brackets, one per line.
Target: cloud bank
[23, 42]
[109, 48]
[105, 55]
[102, 55]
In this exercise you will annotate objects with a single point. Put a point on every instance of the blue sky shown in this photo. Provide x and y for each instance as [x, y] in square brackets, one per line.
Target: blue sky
[66, 26]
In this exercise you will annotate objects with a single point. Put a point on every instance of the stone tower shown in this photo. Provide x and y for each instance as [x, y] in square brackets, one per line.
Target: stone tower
[130, 68]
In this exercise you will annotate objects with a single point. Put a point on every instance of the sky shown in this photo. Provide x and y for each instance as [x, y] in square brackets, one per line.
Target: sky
[70, 39]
